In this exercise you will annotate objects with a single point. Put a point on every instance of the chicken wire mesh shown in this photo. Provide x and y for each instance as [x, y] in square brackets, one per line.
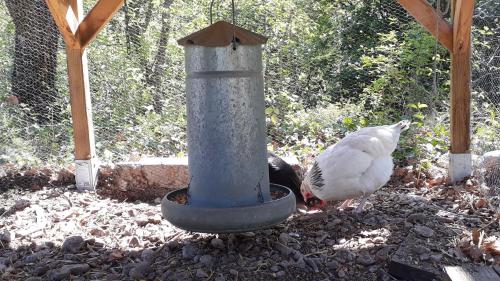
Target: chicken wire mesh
[34, 112]
[329, 69]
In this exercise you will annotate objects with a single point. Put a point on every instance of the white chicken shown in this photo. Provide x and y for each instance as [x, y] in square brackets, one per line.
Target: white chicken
[356, 166]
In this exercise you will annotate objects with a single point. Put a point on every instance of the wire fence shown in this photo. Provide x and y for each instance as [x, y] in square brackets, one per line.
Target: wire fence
[328, 70]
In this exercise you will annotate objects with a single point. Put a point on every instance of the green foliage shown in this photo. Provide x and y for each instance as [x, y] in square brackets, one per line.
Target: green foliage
[330, 66]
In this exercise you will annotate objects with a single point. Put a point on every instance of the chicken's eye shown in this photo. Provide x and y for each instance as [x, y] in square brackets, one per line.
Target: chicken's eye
[312, 202]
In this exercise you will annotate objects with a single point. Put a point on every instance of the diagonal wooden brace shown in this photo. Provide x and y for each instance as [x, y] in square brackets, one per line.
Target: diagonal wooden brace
[427, 16]
[78, 33]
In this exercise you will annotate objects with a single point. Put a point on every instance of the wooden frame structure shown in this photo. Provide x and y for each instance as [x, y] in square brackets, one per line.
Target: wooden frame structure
[79, 31]
[456, 38]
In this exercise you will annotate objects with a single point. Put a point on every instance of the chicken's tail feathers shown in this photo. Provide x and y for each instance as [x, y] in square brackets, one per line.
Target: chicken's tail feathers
[403, 125]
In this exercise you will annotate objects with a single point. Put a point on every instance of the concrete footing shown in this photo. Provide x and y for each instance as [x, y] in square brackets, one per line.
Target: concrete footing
[460, 166]
[86, 174]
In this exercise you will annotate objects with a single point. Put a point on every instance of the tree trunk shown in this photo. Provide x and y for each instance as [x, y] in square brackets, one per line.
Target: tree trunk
[157, 68]
[35, 59]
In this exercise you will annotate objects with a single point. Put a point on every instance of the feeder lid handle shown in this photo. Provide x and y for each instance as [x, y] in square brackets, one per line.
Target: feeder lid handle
[221, 34]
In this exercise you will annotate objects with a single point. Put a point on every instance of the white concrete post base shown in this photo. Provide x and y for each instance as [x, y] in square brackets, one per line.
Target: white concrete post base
[86, 174]
[460, 167]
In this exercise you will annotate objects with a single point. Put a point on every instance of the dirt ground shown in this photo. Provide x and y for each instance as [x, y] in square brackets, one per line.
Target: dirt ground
[53, 232]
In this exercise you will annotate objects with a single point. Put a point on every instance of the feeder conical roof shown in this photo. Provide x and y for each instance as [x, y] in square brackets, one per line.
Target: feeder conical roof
[220, 34]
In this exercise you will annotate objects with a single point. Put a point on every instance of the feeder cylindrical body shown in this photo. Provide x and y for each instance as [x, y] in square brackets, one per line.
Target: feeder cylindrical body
[226, 126]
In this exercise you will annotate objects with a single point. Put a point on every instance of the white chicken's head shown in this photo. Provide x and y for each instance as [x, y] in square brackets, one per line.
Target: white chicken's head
[312, 202]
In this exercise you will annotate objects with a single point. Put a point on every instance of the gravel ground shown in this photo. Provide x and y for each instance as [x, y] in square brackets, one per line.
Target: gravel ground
[57, 233]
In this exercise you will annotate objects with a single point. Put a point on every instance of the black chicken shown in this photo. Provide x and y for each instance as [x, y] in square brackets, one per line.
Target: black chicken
[280, 172]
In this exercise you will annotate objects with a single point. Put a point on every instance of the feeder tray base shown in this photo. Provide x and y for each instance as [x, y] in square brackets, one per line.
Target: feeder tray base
[230, 219]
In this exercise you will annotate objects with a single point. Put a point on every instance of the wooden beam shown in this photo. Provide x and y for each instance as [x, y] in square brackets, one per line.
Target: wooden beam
[65, 19]
[427, 16]
[462, 23]
[81, 109]
[77, 6]
[461, 78]
[96, 19]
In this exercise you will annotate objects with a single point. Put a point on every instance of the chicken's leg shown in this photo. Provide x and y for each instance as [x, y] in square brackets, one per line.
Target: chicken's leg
[346, 204]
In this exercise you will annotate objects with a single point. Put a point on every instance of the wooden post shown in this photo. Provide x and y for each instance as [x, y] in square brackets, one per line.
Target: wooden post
[81, 113]
[460, 155]
[77, 33]
[457, 40]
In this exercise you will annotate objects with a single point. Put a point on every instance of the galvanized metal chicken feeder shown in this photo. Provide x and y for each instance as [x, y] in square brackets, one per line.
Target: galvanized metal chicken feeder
[229, 188]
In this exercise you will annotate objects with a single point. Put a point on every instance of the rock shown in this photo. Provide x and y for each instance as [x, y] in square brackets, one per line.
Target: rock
[247, 235]
[280, 273]
[343, 256]
[173, 244]
[297, 255]
[417, 217]
[491, 159]
[491, 168]
[275, 268]
[312, 264]
[19, 263]
[333, 265]
[206, 260]
[233, 272]
[134, 242]
[5, 237]
[188, 252]
[40, 270]
[365, 259]
[148, 255]
[76, 269]
[424, 231]
[245, 247]
[217, 243]
[436, 257]
[300, 263]
[373, 268]
[31, 258]
[383, 276]
[142, 220]
[4, 261]
[383, 253]
[284, 264]
[200, 273]
[220, 277]
[284, 238]
[424, 257]
[341, 273]
[72, 244]
[419, 249]
[140, 271]
[284, 250]
[58, 274]
[21, 204]
[182, 275]
[268, 232]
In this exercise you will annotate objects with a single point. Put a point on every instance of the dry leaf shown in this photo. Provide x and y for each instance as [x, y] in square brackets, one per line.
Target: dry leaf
[492, 246]
[481, 203]
[475, 236]
[116, 255]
